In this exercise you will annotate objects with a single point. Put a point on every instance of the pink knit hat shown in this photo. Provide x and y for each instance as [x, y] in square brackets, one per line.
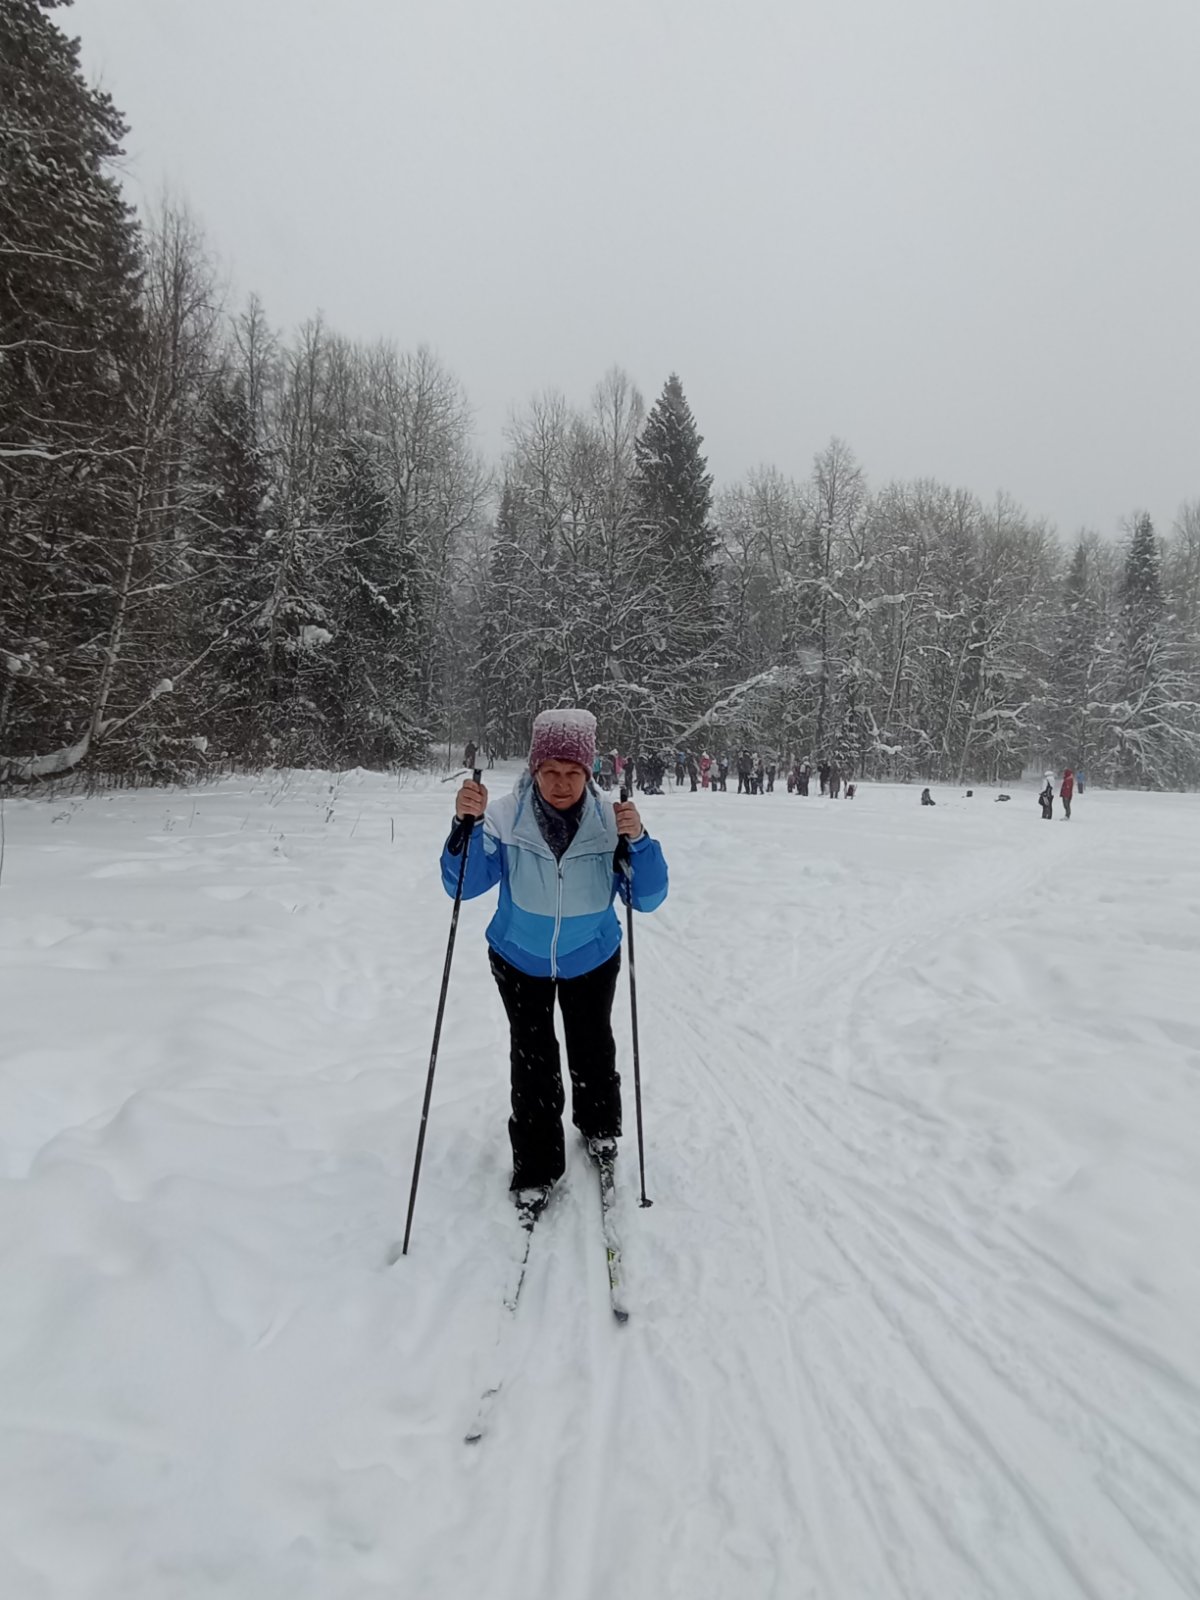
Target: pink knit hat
[568, 735]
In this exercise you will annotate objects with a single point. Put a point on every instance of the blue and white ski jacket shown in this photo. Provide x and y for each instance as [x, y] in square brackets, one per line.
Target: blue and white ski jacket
[555, 918]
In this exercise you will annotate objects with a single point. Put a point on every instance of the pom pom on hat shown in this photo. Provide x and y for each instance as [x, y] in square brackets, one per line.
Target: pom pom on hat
[567, 735]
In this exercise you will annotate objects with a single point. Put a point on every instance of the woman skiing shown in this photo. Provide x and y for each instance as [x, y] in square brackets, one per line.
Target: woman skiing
[549, 845]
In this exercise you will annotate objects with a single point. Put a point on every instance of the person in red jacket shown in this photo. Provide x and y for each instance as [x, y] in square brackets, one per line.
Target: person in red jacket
[1067, 790]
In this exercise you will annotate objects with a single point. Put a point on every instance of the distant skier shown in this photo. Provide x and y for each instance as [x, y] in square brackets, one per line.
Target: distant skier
[1046, 799]
[823, 774]
[745, 770]
[693, 771]
[804, 778]
[706, 762]
[834, 781]
[759, 775]
[1067, 791]
[927, 799]
[470, 750]
[1080, 780]
[549, 845]
[722, 775]
[772, 769]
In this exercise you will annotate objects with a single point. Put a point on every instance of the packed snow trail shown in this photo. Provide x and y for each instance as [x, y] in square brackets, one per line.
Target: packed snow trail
[913, 1314]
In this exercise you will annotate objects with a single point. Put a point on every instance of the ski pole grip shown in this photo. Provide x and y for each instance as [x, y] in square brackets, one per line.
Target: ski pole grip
[621, 853]
[463, 825]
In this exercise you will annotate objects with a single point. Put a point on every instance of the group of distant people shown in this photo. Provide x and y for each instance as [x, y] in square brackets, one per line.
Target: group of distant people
[755, 771]
[830, 776]
[756, 774]
[1070, 782]
[472, 752]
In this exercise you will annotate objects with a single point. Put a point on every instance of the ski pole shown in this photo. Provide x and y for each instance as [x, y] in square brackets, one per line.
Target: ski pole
[460, 836]
[625, 865]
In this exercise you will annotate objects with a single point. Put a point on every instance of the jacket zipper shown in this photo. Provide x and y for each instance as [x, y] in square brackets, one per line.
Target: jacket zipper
[557, 926]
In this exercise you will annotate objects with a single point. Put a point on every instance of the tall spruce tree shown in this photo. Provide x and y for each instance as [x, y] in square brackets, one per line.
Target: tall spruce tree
[69, 275]
[1073, 666]
[1141, 601]
[375, 685]
[678, 556]
[229, 554]
[1143, 664]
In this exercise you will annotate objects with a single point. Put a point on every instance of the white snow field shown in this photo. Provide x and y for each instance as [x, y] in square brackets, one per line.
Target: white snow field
[915, 1313]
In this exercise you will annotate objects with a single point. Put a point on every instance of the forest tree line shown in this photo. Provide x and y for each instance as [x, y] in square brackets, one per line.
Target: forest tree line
[222, 546]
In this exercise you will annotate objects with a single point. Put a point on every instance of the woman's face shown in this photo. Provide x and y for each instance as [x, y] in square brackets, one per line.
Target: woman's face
[561, 783]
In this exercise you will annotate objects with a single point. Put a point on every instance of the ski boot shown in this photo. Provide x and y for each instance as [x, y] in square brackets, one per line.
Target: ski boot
[531, 1202]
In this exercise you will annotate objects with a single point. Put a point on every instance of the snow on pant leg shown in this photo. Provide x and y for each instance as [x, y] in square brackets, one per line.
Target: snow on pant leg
[586, 1003]
[535, 1126]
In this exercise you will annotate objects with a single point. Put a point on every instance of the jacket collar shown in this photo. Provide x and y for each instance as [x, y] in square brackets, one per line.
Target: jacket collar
[595, 832]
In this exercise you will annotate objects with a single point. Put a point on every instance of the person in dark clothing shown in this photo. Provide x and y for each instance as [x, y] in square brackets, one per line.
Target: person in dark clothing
[722, 775]
[1067, 792]
[555, 936]
[757, 780]
[1046, 799]
[772, 769]
[823, 774]
[834, 780]
[804, 778]
[927, 799]
[469, 754]
[693, 771]
[745, 771]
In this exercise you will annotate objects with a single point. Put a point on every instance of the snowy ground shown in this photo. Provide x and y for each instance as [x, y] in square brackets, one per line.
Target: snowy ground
[915, 1312]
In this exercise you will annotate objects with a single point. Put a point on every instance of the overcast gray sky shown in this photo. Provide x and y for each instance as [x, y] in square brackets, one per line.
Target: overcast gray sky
[964, 235]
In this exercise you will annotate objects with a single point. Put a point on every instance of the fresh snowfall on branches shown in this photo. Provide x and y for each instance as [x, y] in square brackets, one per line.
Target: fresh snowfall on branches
[223, 547]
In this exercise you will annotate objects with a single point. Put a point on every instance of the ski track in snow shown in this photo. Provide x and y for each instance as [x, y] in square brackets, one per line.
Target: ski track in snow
[913, 1314]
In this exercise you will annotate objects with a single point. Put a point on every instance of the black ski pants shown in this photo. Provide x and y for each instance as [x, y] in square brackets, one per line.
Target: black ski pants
[535, 1128]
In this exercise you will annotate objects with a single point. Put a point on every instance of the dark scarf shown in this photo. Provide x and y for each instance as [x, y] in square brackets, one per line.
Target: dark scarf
[558, 828]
